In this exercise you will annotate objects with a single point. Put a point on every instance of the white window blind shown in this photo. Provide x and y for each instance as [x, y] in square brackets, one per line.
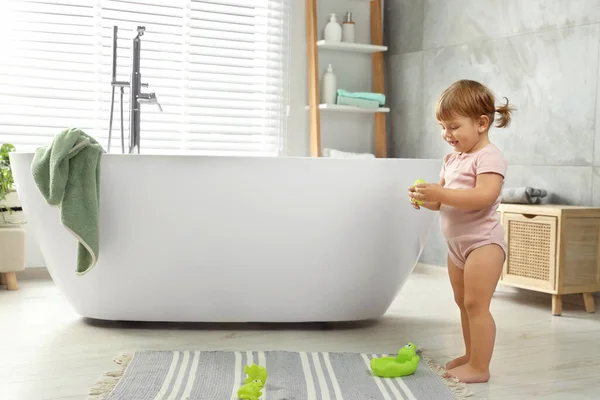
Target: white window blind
[218, 68]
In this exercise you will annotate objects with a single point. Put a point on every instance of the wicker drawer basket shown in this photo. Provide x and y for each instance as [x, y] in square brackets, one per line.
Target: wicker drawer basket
[553, 249]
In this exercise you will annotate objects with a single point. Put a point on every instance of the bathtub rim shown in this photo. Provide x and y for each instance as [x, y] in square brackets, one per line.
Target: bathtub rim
[248, 157]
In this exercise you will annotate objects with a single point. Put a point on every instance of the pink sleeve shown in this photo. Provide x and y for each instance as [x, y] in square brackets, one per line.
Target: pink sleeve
[443, 171]
[491, 162]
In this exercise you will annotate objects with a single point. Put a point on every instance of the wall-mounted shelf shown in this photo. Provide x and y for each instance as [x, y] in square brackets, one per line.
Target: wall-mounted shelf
[345, 108]
[355, 47]
[375, 48]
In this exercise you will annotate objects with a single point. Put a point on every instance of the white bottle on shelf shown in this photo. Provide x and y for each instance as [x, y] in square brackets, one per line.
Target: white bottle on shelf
[333, 30]
[329, 90]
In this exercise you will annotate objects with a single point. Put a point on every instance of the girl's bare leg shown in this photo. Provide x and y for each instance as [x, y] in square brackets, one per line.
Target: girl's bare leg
[482, 271]
[457, 281]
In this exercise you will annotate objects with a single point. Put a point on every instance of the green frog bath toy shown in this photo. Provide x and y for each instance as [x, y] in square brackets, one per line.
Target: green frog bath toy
[250, 391]
[393, 367]
[256, 372]
[255, 381]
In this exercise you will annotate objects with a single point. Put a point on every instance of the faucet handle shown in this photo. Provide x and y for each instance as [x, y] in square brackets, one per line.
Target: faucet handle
[157, 103]
[154, 99]
[149, 98]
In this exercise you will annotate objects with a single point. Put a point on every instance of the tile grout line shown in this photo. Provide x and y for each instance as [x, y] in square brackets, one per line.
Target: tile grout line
[518, 35]
[421, 107]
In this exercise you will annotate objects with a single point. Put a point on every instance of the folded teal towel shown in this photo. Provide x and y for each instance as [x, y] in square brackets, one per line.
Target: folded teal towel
[380, 98]
[67, 174]
[361, 103]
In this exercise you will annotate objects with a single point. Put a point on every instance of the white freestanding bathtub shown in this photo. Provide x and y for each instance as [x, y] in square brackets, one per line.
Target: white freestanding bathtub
[239, 239]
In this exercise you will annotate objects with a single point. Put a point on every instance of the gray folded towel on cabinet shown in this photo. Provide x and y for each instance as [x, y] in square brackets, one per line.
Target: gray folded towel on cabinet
[523, 195]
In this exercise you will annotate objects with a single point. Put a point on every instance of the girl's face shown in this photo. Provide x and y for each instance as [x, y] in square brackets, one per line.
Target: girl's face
[464, 134]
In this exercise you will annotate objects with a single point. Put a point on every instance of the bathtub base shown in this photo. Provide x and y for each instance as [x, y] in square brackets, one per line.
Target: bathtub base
[224, 319]
[231, 315]
[160, 300]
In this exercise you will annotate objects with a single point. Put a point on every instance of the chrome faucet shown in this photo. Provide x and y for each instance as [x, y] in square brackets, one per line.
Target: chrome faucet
[136, 97]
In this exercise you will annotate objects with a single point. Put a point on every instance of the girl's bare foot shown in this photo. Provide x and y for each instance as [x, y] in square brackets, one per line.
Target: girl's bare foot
[467, 374]
[457, 362]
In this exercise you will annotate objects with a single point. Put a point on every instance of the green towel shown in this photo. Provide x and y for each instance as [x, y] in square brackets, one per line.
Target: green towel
[67, 175]
[380, 98]
[360, 103]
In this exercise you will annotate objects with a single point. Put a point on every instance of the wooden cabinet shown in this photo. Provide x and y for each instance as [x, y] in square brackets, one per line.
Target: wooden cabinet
[553, 249]
[12, 254]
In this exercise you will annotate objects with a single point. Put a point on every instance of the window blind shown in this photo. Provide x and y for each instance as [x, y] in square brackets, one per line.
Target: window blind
[218, 68]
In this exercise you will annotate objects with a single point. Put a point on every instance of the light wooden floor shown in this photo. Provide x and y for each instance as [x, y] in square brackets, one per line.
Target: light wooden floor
[49, 352]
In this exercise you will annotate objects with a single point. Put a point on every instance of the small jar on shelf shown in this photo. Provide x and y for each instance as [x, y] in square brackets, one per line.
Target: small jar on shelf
[348, 29]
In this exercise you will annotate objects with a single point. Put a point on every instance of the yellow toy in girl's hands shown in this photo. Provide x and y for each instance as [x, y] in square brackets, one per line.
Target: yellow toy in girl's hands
[418, 182]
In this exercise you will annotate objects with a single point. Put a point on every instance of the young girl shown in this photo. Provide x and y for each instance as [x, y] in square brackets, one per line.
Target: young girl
[467, 197]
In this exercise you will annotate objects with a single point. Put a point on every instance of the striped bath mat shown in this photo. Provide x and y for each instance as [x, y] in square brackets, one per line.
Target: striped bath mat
[217, 375]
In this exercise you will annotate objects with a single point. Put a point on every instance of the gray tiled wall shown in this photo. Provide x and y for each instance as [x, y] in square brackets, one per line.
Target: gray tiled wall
[541, 54]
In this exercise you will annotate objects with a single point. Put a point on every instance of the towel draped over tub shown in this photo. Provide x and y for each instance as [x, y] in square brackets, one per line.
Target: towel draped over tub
[66, 173]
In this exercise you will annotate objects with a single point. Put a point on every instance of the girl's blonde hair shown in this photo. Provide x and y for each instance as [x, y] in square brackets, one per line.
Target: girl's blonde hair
[471, 99]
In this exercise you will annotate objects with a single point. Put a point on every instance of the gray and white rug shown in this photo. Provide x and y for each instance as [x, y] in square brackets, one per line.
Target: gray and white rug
[217, 375]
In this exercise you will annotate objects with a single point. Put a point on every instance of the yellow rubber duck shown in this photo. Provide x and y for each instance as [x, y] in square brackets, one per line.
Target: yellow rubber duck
[405, 364]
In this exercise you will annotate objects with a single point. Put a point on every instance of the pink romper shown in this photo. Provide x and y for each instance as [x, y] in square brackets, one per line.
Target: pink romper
[466, 230]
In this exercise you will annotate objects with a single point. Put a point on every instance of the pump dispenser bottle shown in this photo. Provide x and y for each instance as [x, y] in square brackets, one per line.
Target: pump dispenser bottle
[329, 90]
[333, 30]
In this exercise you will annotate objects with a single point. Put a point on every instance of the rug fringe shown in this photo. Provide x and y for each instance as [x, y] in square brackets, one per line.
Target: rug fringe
[458, 388]
[109, 380]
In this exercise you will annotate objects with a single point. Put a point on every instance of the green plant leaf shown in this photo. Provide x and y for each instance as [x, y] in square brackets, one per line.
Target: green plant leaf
[6, 177]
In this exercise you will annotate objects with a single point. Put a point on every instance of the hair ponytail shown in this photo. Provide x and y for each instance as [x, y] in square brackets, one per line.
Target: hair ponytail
[468, 98]
[505, 111]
